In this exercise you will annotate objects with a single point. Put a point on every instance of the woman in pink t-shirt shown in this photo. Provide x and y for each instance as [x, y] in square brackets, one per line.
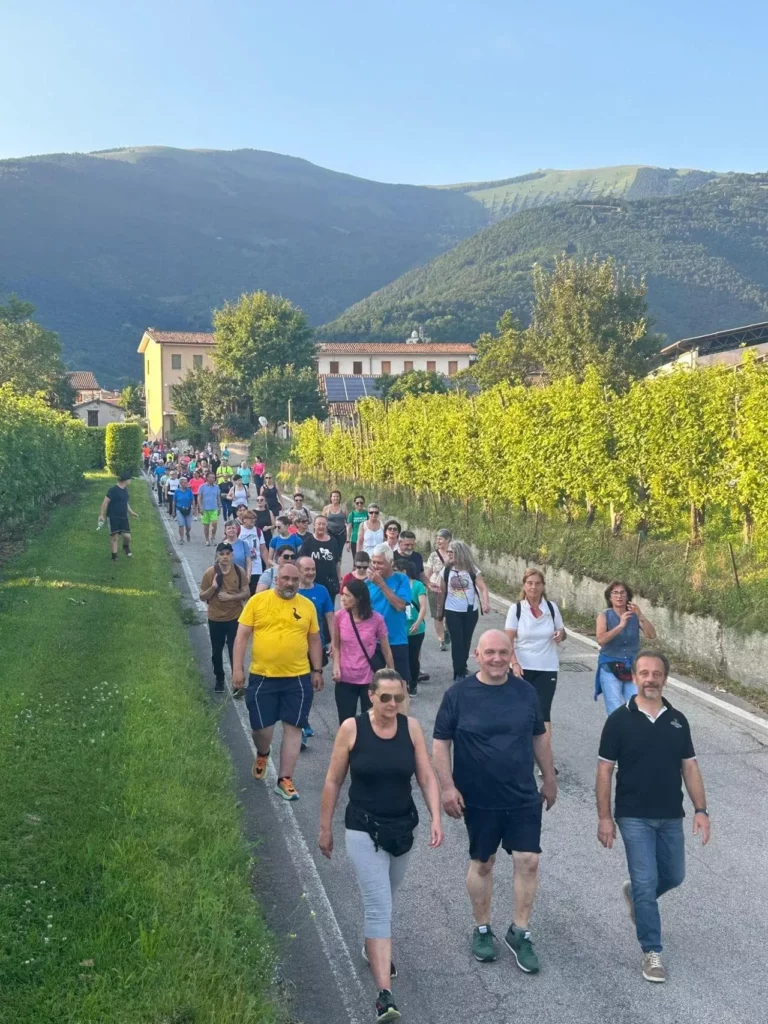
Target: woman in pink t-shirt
[357, 631]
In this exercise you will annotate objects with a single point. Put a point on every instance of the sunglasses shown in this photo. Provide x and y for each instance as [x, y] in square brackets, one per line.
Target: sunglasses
[385, 698]
[361, 565]
[359, 502]
[373, 511]
[287, 558]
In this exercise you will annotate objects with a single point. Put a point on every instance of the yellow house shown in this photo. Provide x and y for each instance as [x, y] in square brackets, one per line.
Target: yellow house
[169, 356]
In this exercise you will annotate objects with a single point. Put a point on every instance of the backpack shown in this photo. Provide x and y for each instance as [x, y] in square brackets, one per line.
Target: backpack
[549, 605]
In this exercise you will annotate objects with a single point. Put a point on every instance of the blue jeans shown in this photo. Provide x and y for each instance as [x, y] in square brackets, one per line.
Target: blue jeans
[615, 693]
[655, 850]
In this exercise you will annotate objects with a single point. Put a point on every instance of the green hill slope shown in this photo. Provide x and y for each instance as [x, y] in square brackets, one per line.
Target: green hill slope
[105, 244]
[541, 188]
[704, 254]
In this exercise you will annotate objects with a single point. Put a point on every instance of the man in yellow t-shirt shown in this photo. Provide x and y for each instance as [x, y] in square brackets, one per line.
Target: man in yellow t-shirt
[286, 644]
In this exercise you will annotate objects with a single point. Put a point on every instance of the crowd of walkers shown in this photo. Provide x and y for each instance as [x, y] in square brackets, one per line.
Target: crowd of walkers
[280, 605]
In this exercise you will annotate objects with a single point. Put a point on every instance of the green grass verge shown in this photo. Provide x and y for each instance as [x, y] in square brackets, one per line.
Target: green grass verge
[124, 887]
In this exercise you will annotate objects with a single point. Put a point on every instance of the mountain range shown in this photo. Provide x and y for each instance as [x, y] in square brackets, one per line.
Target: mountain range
[105, 244]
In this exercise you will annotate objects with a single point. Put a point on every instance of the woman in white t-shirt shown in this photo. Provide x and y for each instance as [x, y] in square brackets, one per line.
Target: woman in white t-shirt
[463, 594]
[535, 627]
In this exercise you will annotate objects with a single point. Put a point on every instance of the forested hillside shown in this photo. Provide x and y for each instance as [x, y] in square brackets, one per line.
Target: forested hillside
[106, 244]
[704, 254]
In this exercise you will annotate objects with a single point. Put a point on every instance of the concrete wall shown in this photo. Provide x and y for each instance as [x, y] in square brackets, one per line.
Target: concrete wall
[700, 639]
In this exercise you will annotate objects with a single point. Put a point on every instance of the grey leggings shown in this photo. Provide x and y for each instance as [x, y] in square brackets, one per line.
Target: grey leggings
[379, 875]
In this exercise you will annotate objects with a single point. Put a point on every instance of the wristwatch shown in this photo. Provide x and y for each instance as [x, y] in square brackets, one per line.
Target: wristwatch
[701, 810]
[316, 671]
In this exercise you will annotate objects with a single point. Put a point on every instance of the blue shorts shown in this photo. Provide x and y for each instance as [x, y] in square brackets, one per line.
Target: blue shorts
[518, 830]
[184, 518]
[273, 699]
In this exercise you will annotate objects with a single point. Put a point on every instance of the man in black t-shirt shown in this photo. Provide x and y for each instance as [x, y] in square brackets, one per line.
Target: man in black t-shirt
[405, 549]
[324, 551]
[650, 741]
[116, 506]
[493, 721]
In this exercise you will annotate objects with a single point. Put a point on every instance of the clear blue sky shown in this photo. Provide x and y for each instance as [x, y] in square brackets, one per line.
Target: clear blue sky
[424, 91]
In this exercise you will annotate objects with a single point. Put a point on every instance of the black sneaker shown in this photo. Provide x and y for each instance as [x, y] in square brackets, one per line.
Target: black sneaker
[114, 557]
[385, 1007]
[219, 687]
[423, 677]
[412, 692]
[392, 968]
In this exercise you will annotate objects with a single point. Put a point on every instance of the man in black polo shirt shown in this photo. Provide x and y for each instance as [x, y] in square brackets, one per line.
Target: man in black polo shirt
[493, 720]
[651, 743]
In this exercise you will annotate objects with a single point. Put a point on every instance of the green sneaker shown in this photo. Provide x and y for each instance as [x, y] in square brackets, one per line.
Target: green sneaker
[483, 948]
[520, 944]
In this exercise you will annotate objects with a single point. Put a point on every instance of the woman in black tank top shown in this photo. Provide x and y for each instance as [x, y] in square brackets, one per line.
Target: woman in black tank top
[383, 749]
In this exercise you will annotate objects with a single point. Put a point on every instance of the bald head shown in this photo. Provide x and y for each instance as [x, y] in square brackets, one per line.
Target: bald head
[493, 654]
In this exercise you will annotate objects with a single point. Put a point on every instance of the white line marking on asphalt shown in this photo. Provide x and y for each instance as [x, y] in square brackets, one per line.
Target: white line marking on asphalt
[331, 938]
[694, 692]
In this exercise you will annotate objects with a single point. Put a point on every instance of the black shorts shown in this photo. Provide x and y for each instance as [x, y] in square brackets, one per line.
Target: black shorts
[544, 684]
[273, 699]
[518, 830]
[119, 526]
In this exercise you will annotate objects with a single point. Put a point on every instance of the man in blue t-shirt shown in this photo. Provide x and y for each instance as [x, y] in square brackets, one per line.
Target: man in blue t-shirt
[390, 595]
[493, 722]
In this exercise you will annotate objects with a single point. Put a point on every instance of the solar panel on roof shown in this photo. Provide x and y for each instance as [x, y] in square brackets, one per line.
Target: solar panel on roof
[349, 388]
[335, 389]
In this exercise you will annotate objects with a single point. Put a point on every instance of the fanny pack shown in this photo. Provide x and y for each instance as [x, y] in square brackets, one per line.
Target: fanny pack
[621, 669]
[393, 835]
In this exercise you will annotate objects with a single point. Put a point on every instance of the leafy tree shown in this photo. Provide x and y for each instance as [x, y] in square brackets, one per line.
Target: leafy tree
[132, 399]
[271, 392]
[503, 356]
[205, 402]
[414, 382]
[590, 313]
[30, 356]
[258, 333]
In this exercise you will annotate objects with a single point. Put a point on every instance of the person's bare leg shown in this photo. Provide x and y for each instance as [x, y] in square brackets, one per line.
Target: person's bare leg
[380, 958]
[214, 524]
[262, 739]
[439, 629]
[290, 748]
[480, 889]
[113, 542]
[181, 533]
[206, 531]
[525, 886]
[126, 542]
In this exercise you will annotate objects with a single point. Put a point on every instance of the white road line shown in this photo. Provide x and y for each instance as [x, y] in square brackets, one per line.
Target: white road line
[331, 938]
[693, 691]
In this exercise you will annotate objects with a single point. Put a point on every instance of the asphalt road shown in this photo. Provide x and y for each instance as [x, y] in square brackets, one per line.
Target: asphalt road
[715, 927]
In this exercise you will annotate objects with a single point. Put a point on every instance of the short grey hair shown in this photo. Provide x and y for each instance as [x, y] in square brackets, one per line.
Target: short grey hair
[385, 551]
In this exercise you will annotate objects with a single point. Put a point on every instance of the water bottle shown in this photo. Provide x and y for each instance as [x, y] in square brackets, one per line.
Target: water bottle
[99, 525]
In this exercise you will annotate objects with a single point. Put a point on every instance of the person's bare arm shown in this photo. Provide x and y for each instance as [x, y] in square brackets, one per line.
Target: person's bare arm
[386, 651]
[241, 646]
[316, 659]
[336, 650]
[606, 827]
[485, 601]
[264, 552]
[103, 509]
[603, 635]
[542, 753]
[422, 613]
[262, 585]
[694, 783]
[132, 513]
[453, 802]
[329, 627]
[425, 777]
[334, 780]
[645, 625]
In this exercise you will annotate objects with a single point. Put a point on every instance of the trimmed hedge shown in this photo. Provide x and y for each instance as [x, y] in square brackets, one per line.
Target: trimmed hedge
[34, 435]
[95, 445]
[123, 448]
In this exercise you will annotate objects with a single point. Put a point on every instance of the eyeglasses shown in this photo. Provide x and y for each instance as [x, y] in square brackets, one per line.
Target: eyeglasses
[618, 593]
[385, 698]
[361, 565]
[359, 502]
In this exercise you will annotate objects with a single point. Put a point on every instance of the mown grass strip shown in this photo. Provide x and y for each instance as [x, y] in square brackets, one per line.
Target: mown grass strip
[124, 878]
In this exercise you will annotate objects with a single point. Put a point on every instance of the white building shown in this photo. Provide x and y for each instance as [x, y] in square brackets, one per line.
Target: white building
[374, 358]
[98, 412]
